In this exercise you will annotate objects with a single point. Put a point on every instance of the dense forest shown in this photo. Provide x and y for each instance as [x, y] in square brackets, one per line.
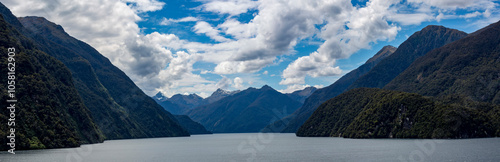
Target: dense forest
[377, 113]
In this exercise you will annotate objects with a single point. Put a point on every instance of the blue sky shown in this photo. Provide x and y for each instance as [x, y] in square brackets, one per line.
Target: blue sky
[183, 46]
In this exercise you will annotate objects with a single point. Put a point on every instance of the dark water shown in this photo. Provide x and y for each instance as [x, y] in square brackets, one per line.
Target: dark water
[269, 147]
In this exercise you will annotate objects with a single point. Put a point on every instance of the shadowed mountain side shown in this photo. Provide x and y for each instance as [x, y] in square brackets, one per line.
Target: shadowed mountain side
[191, 126]
[49, 111]
[417, 45]
[119, 107]
[247, 111]
[469, 67]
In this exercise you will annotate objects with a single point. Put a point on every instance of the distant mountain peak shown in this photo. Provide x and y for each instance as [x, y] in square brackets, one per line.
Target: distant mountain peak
[428, 27]
[176, 95]
[192, 96]
[220, 91]
[159, 96]
[187, 101]
[195, 95]
[219, 94]
[266, 87]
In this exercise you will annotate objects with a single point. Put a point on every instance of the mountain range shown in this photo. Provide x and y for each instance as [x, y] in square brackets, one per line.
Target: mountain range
[247, 111]
[450, 91]
[238, 101]
[180, 104]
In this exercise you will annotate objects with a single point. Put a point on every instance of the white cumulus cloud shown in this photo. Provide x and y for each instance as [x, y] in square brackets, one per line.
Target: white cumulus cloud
[231, 7]
[168, 21]
[203, 27]
[238, 83]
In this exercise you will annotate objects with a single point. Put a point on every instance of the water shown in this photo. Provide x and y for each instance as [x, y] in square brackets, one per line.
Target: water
[268, 147]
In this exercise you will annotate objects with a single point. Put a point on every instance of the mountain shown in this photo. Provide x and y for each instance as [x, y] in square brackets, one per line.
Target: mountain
[187, 101]
[460, 81]
[119, 108]
[219, 94]
[49, 113]
[377, 113]
[466, 70]
[187, 123]
[417, 45]
[294, 121]
[172, 107]
[179, 104]
[301, 95]
[191, 126]
[388, 68]
[469, 67]
[247, 111]
[159, 97]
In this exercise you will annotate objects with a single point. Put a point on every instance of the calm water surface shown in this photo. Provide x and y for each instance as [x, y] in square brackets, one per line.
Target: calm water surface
[268, 147]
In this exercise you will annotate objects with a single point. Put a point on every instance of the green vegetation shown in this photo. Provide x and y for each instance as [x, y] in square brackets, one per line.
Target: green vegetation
[494, 115]
[376, 113]
[49, 111]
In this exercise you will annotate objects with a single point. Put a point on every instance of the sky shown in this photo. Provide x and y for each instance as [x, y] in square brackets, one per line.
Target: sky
[197, 46]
